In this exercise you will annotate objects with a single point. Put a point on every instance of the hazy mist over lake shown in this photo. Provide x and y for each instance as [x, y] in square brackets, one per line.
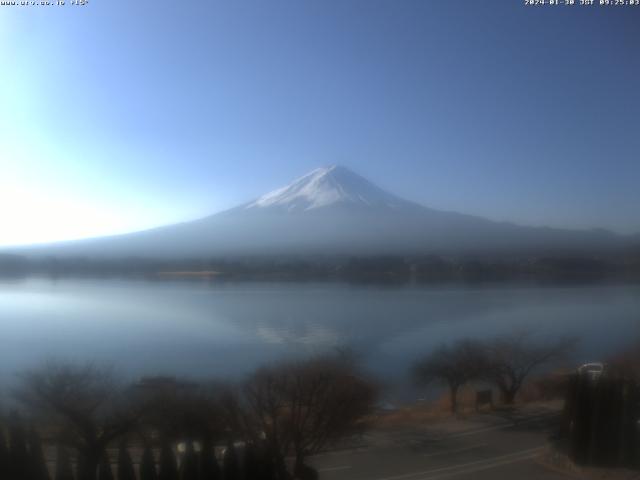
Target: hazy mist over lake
[226, 330]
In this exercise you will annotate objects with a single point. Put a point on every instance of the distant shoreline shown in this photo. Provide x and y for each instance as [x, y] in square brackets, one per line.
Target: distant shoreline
[189, 274]
[382, 269]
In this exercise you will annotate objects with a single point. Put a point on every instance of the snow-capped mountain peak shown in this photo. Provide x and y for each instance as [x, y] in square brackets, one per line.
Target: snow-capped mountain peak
[326, 186]
[333, 211]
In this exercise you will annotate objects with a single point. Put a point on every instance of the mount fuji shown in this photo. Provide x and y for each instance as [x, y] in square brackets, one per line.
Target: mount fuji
[327, 187]
[334, 211]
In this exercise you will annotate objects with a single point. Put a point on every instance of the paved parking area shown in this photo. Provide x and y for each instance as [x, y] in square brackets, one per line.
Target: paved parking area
[496, 445]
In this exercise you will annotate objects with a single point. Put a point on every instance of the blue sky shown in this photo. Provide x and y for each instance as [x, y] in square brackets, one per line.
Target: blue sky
[119, 116]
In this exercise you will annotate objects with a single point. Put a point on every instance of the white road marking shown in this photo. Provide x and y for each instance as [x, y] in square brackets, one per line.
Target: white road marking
[487, 466]
[464, 433]
[502, 426]
[334, 469]
[478, 464]
[346, 451]
[458, 450]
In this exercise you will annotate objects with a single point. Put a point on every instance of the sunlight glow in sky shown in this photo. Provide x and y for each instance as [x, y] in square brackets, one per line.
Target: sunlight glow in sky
[120, 116]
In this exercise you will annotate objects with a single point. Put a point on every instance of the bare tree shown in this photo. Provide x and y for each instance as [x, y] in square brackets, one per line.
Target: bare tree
[104, 469]
[627, 362]
[4, 455]
[180, 409]
[300, 408]
[85, 406]
[168, 464]
[38, 469]
[230, 463]
[453, 365]
[19, 461]
[125, 464]
[148, 465]
[63, 465]
[512, 358]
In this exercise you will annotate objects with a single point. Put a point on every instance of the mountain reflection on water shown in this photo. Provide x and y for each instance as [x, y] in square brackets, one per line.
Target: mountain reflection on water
[226, 330]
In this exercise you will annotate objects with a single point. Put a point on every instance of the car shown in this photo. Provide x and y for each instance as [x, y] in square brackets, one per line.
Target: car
[593, 370]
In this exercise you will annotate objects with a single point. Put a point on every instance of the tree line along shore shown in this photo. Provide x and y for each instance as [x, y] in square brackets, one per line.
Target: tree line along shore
[624, 266]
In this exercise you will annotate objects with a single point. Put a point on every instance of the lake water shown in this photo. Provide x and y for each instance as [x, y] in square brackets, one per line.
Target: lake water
[227, 329]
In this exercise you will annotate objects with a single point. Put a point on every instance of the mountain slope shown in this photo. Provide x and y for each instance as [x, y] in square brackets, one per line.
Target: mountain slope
[335, 211]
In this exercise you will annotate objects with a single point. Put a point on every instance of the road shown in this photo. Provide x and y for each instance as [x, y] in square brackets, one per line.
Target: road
[484, 446]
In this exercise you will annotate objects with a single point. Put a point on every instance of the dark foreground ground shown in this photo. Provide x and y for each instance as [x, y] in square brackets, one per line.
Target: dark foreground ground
[492, 445]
